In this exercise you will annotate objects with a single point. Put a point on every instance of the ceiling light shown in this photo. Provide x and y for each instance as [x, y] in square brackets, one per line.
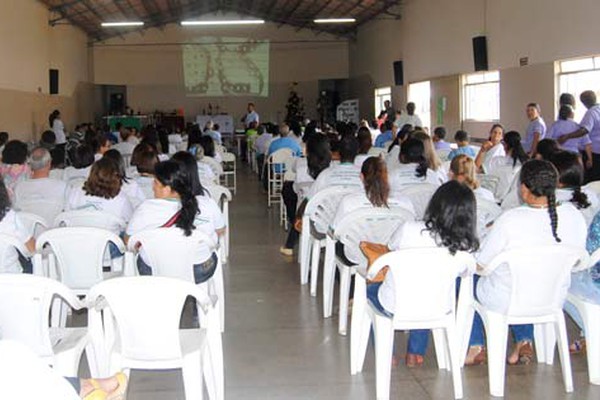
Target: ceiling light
[334, 20]
[125, 23]
[224, 22]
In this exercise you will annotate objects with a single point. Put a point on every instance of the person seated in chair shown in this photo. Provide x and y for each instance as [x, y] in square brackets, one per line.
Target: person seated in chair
[15, 261]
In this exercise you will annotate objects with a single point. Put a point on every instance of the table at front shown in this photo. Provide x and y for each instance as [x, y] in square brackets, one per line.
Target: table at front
[225, 122]
[134, 121]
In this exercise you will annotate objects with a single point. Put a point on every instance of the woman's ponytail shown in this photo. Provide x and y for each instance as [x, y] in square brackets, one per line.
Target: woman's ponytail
[553, 216]
[580, 199]
[375, 177]
[189, 210]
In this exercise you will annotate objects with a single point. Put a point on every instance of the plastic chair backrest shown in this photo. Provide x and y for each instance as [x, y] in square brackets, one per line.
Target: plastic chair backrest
[489, 182]
[219, 193]
[443, 154]
[506, 174]
[321, 208]
[540, 276]
[594, 187]
[35, 224]
[228, 157]
[214, 165]
[90, 218]
[487, 212]
[419, 195]
[25, 302]
[9, 243]
[281, 156]
[76, 182]
[170, 252]
[375, 225]
[46, 209]
[79, 253]
[424, 281]
[147, 310]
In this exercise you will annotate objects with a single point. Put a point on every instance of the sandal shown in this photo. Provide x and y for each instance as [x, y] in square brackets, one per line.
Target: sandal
[476, 356]
[120, 392]
[97, 393]
[523, 354]
[413, 360]
[577, 347]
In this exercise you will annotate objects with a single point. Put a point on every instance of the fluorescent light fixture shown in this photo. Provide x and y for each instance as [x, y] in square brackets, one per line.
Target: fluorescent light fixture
[334, 20]
[124, 23]
[224, 22]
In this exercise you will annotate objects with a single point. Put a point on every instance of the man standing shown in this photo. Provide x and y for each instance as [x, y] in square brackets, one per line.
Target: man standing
[251, 116]
[536, 130]
[410, 118]
[590, 124]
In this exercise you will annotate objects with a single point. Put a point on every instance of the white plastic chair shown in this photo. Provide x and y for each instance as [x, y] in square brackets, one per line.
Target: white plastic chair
[25, 302]
[540, 304]
[229, 171]
[92, 219]
[590, 314]
[377, 151]
[507, 176]
[318, 215]
[9, 243]
[222, 196]
[594, 187]
[276, 165]
[214, 165]
[134, 324]
[443, 154]
[422, 302]
[487, 212]
[419, 195]
[489, 182]
[76, 256]
[34, 223]
[172, 254]
[375, 225]
[46, 209]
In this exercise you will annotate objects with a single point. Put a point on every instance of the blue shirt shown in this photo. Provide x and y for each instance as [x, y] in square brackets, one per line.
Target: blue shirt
[537, 125]
[467, 150]
[383, 138]
[284, 143]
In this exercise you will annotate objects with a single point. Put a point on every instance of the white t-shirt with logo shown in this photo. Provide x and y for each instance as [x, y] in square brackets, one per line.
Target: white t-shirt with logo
[119, 206]
[343, 174]
[47, 189]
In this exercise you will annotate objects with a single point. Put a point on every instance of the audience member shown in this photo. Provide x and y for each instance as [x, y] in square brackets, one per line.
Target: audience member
[463, 170]
[386, 134]
[365, 143]
[14, 260]
[565, 125]
[14, 168]
[130, 187]
[413, 166]
[145, 160]
[439, 134]
[82, 158]
[490, 149]
[546, 148]
[462, 140]
[409, 118]
[436, 170]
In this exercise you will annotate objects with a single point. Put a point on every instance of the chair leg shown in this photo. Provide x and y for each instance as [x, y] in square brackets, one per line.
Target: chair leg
[384, 342]
[305, 249]
[591, 319]
[563, 351]
[441, 353]
[328, 277]
[314, 267]
[550, 338]
[496, 330]
[344, 295]
[360, 326]
[454, 357]
[539, 339]
[193, 376]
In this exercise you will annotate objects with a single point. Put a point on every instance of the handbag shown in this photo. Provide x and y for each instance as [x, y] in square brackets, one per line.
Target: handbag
[372, 252]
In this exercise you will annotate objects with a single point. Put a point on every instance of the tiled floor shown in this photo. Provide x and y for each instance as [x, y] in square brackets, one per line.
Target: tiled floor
[278, 346]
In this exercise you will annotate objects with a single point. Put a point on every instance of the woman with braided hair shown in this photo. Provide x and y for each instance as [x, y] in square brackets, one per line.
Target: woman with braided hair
[539, 221]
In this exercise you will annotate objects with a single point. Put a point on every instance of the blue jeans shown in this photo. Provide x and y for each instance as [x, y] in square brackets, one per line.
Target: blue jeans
[373, 298]
[520, 332]
[202, 272]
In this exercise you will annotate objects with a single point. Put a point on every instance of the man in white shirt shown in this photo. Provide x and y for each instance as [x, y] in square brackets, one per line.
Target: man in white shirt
[409, 118]
[41, 194]
[251, 116]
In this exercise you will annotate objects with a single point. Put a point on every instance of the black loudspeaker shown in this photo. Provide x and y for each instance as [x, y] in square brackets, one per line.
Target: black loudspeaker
[480, 53]
[398, 73]
[53, 81]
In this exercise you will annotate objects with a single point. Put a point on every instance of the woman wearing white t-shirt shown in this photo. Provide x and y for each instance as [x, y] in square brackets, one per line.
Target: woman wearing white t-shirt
[570, 172]
[539, 221]
[10, 224]
[102, 192]
[450, 223]
[57, 127]
[175, 201]
[413, 166]
[436, 170]
[490, 149]
[130, 187]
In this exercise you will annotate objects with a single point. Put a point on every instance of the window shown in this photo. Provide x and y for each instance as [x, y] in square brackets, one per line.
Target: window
[381, 95]
[576, 76]
[481, 96]
[420, 94]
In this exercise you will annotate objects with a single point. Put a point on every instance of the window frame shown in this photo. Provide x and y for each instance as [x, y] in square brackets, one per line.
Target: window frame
[485, 80]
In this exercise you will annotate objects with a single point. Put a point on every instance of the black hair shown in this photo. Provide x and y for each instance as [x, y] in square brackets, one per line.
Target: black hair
[318, 154]
[191, 167]
[451, 217]
[567, 99]
[208, 145]
[81, 156]
[388, 125]
[4, 200]
[15, 152]
[546, 148]
[309, 131]
[115, 155]
[348, 149]
[461, 136]
[48, 138]
[413, 151]
[194, 136]
[173, 174]
[365, 140]
[53, 115]
[512, 139]
[440, 132]
[541, 178]
[570, 175]
[565, 112]
[3, 138]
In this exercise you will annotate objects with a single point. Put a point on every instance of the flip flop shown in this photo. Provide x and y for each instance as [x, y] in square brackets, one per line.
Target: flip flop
[121, 391]
[97, 393]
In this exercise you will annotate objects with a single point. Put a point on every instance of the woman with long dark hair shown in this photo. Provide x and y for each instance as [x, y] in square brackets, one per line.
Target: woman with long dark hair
[413, 166]
[450, 222]
[130, 187]
[492, 148]
[175, 205]
[539, 221]
[515, 154]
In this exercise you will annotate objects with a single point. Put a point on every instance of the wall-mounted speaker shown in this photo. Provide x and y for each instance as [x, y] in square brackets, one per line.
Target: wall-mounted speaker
[480, 56]
[53, 75]
[398, 73]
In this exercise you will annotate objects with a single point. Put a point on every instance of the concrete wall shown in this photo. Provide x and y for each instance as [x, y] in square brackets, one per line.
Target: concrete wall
[30, 47]
[434, 39]
[151, 67]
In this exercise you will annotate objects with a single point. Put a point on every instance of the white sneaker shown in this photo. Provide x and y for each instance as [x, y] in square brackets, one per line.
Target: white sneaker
[286, 252]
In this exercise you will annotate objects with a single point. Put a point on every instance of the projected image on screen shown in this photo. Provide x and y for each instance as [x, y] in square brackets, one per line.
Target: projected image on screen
[226, 67]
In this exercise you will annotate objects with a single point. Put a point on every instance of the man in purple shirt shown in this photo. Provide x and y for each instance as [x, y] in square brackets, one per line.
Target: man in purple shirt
[590, 125]
[439, 134]
[536, 130]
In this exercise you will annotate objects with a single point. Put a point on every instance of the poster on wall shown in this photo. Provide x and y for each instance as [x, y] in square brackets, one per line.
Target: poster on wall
[348, 111]
[226, 66]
